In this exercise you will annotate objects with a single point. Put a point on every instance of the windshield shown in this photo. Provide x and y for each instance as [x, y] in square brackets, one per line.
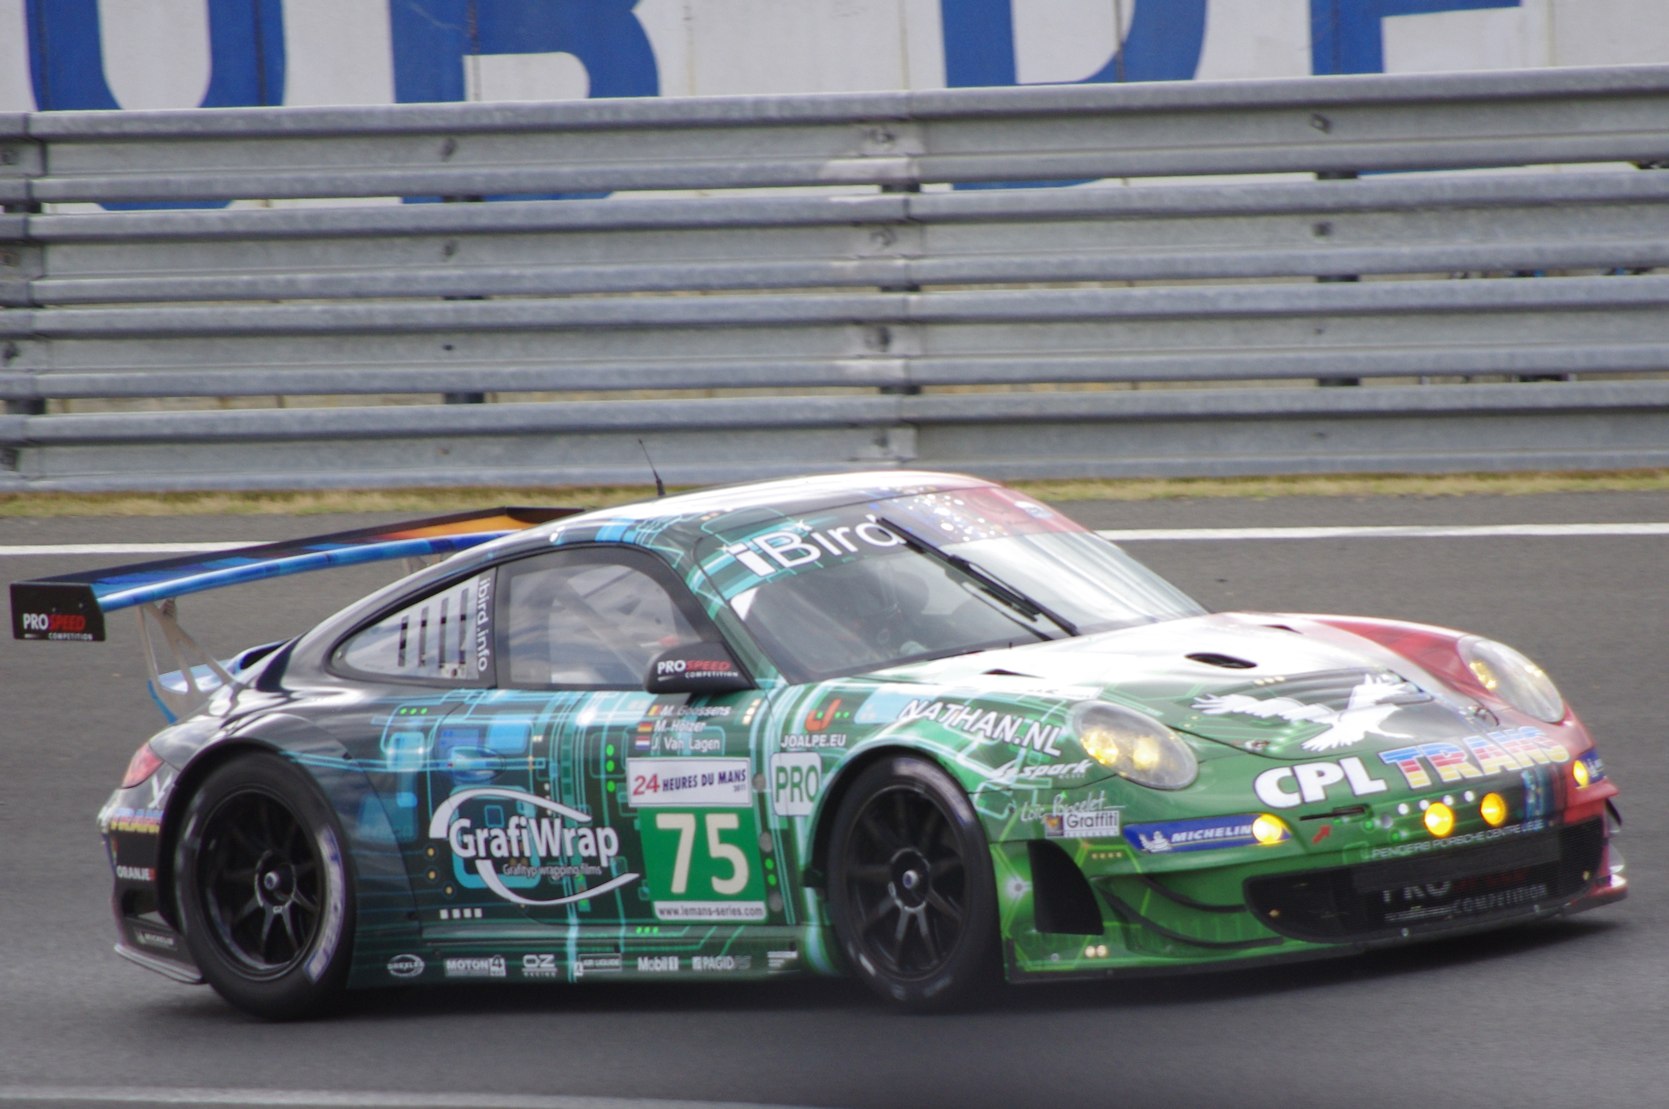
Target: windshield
[839, 592]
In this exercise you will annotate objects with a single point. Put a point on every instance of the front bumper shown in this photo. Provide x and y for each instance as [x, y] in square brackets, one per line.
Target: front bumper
[1072, 914]
[1531, 875]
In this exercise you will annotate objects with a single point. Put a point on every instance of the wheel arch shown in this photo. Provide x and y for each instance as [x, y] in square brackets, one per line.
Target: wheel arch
[1064, 899]
[376, 877]
[958, 949]
[185, 786]
[816, 867]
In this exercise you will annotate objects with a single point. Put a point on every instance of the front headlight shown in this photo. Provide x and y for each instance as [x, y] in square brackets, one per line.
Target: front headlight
[1133, 745]
[1513, 678]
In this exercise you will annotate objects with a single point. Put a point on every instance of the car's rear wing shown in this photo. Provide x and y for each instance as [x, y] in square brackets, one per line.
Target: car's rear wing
[73, 606]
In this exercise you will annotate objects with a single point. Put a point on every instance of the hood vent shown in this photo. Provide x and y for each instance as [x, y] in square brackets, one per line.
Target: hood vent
[1226, 662]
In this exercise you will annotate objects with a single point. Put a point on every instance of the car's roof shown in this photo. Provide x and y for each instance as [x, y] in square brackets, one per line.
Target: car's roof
[798, 494]
[671, 525]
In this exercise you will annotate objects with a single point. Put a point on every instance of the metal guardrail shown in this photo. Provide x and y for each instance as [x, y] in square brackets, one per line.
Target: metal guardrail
[830, 302]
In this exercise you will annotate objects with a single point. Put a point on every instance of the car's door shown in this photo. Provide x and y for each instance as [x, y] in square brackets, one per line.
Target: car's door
[641, 808]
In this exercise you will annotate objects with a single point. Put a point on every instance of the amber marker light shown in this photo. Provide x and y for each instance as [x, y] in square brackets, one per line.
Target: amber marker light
[1440, 819]
[1493, 808]
[1269, 830]
[1580, 773]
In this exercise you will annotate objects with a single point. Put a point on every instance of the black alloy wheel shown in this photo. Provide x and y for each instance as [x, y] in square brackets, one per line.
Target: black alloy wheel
[262, 883]
[263, 889]
[910, 886]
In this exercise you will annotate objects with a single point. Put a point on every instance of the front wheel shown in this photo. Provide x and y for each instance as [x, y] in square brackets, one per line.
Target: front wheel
[263, 891]
[910, 887]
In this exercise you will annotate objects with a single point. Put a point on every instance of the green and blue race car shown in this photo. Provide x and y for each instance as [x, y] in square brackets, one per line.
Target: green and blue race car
[914, 727]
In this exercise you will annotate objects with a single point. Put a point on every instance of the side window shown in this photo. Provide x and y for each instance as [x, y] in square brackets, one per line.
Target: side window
[443, 638]
[589, 618]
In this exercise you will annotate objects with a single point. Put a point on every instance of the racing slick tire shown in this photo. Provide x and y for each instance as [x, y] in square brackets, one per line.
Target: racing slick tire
[911, 893]
[263, 890]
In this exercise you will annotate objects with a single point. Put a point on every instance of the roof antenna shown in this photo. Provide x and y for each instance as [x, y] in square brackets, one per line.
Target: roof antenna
[660, 486]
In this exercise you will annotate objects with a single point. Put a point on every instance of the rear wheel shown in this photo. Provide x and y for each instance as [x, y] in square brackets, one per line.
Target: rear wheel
[910, 887]
[263, 890]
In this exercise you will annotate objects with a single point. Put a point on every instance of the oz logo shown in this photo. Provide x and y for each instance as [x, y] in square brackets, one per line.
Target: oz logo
[796, 780]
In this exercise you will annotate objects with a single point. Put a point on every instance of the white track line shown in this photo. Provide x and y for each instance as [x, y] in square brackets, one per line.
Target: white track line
[146, 549]
[1395, 531]
[330, 1099]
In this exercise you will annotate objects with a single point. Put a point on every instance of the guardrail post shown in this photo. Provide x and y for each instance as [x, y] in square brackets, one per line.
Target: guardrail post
[900, 390]
[19, 263]
[1324, 229]
[463, 396]
[20, 161]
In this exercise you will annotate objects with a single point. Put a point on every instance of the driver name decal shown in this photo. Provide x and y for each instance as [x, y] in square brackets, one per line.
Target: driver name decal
[538, 842]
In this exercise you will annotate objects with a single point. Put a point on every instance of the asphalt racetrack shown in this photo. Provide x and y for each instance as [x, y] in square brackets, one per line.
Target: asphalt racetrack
[1564, 1014]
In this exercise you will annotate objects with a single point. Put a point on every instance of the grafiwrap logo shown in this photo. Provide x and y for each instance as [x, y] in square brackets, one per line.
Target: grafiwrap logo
[555, 843]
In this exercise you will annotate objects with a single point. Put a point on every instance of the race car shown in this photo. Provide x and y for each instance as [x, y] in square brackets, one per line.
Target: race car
[915, 727]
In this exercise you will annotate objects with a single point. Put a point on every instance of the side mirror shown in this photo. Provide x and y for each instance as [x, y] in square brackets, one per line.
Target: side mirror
[704, 667]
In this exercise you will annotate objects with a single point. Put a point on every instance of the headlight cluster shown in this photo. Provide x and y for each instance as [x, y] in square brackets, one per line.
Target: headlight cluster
[1133, 745]
[1513, 678]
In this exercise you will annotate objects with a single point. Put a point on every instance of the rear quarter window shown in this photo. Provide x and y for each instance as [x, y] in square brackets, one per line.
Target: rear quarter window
[445, 638]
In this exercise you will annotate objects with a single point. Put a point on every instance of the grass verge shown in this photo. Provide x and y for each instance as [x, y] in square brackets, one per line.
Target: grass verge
[304, 502]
